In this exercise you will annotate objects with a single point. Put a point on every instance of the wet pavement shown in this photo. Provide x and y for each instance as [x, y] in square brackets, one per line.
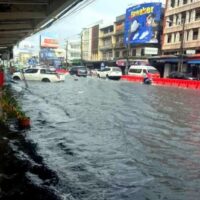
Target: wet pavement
[113, 140]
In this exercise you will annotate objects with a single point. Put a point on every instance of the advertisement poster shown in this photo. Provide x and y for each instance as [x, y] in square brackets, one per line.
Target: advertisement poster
[49, 40]
[142, 23]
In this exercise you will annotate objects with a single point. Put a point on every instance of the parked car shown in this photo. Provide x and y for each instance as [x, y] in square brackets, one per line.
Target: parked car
[38, 74]
[78, 71]
[110, 72]
[142, 70]
[181, 75]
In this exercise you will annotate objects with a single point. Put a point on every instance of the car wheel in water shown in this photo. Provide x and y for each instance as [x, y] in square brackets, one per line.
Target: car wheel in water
[45, 80]
[16, 78]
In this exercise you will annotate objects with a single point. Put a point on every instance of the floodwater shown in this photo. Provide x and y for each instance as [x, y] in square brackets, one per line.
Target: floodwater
[114, 140]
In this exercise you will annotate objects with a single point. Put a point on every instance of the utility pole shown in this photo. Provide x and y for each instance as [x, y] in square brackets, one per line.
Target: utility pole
[180, 66]
[128, 52]
[67, 54]
[82, 48]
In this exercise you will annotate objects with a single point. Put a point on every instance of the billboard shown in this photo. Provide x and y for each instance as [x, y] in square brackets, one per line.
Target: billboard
[49, 40]
[142, 23]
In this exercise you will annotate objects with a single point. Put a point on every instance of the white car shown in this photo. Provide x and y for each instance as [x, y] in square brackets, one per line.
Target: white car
[110, 72]
[38, 74]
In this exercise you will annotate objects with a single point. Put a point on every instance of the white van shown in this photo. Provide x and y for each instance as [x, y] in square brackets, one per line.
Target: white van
[142, 70]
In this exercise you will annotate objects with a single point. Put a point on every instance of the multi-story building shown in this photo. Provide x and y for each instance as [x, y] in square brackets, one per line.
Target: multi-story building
[181, 33]
[95, 43]
[119, 47]
[73, 49]
[106, 41]
[86, 44]
[182, 26]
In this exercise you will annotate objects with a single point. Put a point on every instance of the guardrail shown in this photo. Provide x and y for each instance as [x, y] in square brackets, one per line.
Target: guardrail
[192, 84]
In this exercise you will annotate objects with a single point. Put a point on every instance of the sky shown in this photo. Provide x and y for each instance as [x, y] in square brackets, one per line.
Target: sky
[70, 26]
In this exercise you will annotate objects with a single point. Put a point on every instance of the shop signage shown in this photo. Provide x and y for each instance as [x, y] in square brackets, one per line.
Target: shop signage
[190, 51]
[142, 23]
[150, 51]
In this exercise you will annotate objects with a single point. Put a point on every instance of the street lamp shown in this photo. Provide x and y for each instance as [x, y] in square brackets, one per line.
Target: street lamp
[128, 51]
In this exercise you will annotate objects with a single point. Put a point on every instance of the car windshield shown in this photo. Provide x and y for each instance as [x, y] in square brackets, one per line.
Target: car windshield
[116, 69]
[81, 68]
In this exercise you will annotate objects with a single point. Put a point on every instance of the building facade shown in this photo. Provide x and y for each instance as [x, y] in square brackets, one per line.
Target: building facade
[182, 27]
[86, 44]
[73, 48]
[119, 48]
[106, 40]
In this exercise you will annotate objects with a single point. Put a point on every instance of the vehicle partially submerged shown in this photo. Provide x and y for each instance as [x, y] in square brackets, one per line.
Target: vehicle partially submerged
[110, 72]
[38, 74]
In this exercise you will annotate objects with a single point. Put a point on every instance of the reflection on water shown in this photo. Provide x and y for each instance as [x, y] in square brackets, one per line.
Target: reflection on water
[117, 140]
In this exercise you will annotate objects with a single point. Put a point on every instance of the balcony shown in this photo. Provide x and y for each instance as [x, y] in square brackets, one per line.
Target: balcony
[119, 45]
[186, 45]
[178, 28]
[106, 47]
[185, 7]
[106, 35]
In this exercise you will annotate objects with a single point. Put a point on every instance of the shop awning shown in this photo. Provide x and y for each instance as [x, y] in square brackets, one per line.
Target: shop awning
[170, 60]
[193, 62]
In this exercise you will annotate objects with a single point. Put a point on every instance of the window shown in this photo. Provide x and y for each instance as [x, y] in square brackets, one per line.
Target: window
[133, 52]
[169, 39]
[195, 34]
[197, 14]
[144, 71]
[183, 17]
[137, 71]
[181, 37]
[170, 21]
[117, 54]
[106, 69]
[172, 3]
[184, 1]
[42, 71]
[31, 71]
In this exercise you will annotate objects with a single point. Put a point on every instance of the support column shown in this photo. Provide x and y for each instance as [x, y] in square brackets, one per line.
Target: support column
[190, 35]
[169, 4]
[165, 39]
[187, 20]
[173, 38]
[193, 16]
[174, 19]
[176, 3]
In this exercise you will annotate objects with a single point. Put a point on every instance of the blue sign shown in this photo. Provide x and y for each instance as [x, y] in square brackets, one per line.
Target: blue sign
[142, 23]
[32, 61]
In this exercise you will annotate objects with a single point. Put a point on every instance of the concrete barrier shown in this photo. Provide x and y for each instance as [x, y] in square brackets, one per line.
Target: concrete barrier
[192, 84]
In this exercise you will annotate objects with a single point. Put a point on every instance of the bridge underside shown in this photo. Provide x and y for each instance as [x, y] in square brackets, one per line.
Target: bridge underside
[21, 18]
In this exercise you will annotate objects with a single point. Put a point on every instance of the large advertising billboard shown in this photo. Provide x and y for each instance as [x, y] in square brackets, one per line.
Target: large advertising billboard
[142, 23]
[49, 40]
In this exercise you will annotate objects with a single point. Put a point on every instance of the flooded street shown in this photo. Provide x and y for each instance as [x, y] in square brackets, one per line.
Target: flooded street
[114, 140]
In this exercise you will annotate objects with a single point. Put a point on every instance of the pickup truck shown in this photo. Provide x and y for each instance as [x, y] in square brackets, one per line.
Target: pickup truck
[38, 74]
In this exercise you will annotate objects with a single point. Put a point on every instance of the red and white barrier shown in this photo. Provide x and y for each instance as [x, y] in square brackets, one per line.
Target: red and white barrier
[192, 84]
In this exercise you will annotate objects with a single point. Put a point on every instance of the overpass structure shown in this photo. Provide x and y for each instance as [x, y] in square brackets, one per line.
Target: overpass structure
[21, 18]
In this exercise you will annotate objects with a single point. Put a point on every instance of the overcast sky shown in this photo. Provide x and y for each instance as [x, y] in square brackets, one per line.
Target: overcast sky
[70, 26]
